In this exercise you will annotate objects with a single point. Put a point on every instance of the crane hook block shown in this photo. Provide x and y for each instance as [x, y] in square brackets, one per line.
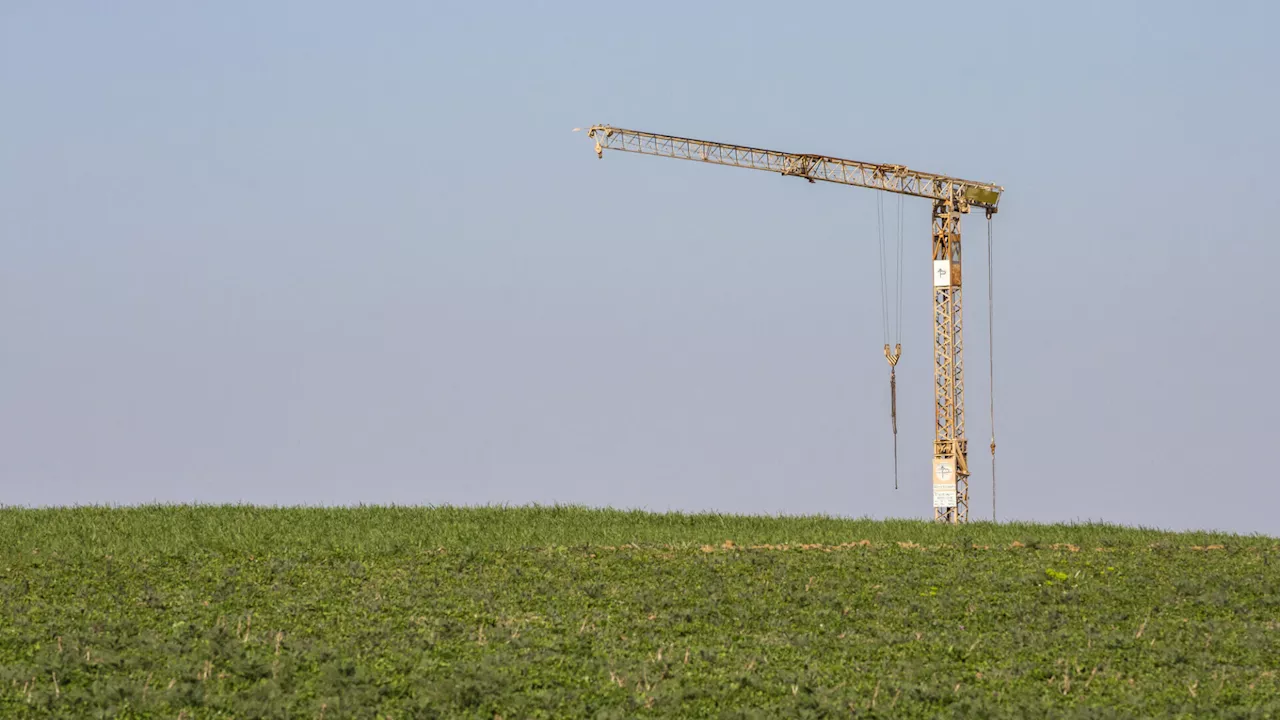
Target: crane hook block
[599, 150]
[892, 357]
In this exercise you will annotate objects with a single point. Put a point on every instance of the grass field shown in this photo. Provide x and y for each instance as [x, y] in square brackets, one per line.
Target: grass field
[202, 612]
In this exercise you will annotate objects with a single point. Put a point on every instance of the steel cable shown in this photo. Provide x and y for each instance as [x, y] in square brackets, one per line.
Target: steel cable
[991, 355]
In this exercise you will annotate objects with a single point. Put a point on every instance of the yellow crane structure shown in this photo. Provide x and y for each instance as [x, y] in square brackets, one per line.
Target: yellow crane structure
[952, 197]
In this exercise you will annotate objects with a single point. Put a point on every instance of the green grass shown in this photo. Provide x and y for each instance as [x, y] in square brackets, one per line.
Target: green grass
[567, 612]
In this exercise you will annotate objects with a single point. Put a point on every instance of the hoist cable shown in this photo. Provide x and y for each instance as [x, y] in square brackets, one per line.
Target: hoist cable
[893, 355]
[991, 357]
[884, 278]
[893, 417]
[898, 336]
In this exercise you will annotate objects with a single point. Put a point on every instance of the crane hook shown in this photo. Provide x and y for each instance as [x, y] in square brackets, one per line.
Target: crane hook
[892, 357]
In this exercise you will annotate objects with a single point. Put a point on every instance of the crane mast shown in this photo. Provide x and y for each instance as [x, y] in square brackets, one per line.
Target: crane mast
[951, 198]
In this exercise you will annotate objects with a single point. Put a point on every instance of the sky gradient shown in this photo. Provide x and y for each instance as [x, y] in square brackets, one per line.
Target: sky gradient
[304, 253]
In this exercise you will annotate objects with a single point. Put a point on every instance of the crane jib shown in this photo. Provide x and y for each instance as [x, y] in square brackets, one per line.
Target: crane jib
[877, 176]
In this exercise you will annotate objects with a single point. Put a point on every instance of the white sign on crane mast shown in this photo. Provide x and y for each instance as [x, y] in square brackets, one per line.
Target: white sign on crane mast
[944, 482]
[942, 273]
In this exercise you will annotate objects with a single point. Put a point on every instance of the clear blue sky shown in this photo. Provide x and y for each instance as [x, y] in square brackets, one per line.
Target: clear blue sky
[315, 253]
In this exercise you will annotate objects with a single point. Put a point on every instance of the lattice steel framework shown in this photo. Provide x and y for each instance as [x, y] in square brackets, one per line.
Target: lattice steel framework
[949, 443]
[878, 176]
[952, 197]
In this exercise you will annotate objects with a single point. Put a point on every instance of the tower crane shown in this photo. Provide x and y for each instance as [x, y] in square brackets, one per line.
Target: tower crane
[952, 197]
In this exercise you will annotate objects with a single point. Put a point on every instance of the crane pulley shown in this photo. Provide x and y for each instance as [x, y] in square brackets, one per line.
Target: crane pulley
[951, 197]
